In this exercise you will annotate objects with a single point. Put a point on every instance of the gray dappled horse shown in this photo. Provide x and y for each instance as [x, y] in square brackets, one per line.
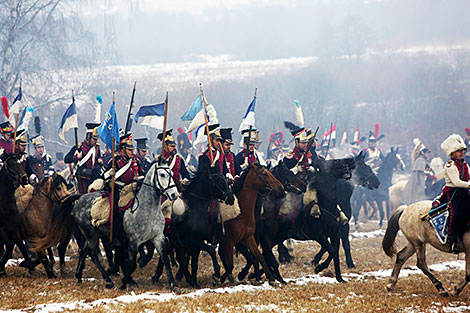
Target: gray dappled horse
[142, 222]
[418, 233]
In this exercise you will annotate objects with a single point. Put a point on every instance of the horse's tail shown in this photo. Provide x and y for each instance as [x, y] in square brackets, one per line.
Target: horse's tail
[60, 227]
[388, 243]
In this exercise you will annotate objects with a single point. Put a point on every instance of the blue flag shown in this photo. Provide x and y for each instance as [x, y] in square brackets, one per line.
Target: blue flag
[152, 115]
[249, 117]
[194, 109]
[109, 129]
[69, 120]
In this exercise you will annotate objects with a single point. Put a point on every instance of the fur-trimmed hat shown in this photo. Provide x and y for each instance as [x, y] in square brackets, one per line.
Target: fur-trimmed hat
[453, 143]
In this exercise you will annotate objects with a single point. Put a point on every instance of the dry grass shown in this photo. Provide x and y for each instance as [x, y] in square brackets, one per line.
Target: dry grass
[20, 290]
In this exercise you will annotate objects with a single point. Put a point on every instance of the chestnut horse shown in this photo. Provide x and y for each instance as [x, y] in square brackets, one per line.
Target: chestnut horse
[36, 219]
[241, 229]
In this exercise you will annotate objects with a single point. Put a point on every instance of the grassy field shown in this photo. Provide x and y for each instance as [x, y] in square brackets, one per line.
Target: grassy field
[364, 292]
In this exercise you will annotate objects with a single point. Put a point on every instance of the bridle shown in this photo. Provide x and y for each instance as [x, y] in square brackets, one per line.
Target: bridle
[156, 183]
[53, 193]
[268, 189]
[288, 186]
[12, 174]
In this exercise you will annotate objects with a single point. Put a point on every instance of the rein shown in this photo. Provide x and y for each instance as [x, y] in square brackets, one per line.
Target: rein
[267, 187]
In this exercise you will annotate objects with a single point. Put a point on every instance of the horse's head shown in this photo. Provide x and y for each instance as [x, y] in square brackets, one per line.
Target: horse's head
[394, 160]
[14, 169]
[363, 175]
[259, 178]
[290, 181]
[163, 180]
[58, 187]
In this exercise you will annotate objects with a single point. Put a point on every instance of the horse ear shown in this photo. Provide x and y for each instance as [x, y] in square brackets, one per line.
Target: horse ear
[391, 149]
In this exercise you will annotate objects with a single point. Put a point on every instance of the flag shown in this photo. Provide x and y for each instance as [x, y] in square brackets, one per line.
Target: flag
[345, 137]
[15, 107]
[193, 110]
[198, 124]
[5, 107]
[69, 120]
[109, 129]
[152, 115]
[357, 138]
[25, 118]
[99, 103]
[299, 116]
[331, 131]
[249, 117]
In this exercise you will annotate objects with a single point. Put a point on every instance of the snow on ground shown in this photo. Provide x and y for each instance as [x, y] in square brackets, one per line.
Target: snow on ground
[309, 279]
[368, 234]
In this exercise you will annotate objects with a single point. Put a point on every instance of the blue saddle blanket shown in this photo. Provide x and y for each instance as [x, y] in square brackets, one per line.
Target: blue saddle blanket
[440, 223]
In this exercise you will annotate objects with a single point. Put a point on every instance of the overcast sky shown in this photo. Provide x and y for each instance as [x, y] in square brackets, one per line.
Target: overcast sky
[156, 31]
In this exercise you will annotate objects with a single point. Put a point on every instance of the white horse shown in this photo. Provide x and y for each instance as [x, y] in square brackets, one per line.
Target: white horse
[419, 232]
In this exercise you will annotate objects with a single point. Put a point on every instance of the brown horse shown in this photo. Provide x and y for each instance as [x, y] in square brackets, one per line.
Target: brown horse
[36, 219]
[242, 228]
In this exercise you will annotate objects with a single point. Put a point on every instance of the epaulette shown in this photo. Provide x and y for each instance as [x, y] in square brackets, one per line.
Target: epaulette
[79, 145]
[289, 154]
[449, 163]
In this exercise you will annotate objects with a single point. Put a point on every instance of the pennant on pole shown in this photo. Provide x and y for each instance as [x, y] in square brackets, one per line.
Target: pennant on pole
[69, 120]
[108, 131]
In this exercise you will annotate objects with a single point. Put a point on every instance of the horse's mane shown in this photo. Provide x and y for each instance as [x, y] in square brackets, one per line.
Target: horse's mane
[240, 181]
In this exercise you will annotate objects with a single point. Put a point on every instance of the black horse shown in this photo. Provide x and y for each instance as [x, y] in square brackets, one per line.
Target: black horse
[361, 176]
[12, 175]
[301, 225]
[377, 197]
[194, 226]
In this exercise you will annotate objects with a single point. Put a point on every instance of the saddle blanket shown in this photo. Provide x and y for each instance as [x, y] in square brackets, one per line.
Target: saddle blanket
[101, 208]
[23, 196]
[440, 223]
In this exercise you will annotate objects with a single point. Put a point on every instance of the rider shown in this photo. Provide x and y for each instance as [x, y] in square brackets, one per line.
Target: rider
[88, 158]
[456, 190]
[233, 167]
[299, 155]
[6, 142]
[21, 145]
[174, 160]
[40, 157]
[143, 161]
[218, 157]
[374, 156]
[249, 154]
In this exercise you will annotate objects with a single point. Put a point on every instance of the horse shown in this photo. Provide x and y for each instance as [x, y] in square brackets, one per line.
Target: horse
[35, 220]
[418, 233]
[361, 176]
[12, 175]
[241, 229]
[380, 195]
[142, 222]
[193, 227]
[301, 225]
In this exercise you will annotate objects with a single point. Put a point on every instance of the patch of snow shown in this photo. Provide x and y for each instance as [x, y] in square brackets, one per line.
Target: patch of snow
[369, 234]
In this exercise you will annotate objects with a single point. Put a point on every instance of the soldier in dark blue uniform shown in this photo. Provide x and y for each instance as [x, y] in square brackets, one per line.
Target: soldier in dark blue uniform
[143, 161]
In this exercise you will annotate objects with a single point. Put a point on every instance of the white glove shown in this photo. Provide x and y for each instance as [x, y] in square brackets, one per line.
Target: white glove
[244, 165]
[111, 172]
[185, 182]
[33, 179]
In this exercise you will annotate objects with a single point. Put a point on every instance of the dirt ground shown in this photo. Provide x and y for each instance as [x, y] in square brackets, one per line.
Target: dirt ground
[363, 292]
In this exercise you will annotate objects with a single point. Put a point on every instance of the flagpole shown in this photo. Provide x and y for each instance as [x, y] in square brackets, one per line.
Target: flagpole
[111, 201]
[131, 105]
[329, 141]
[164, 126]
[211, 156]
[75, 128]
[16, 126]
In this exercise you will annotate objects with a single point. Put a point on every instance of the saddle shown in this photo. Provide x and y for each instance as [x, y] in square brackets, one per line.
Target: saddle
[101, 208]
[228, 212]
[439, 218]
[23, 196]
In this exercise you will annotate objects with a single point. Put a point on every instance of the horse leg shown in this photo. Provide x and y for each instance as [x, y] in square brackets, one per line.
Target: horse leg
[194, 265]
[284, 255]
[62, 248]
[344, 235]
[27, 260]
[226, 255]
[421, 255]
[50, 254]
[250, 260]
[317, 258]
[83, 252]
[271, 260]
[159, 244]
[211, 250]
[333, 254]
[130, 265]
[458, 289]
[6, 256]
[145, 258]
[93, 251]
[402, 257]
[47, 266]
[250, 243]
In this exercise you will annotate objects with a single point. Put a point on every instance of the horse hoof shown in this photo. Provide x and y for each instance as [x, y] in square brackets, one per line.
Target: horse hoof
[231, 279]
[444, 293]
[351, 266]
[110, 285]
[176, 290]
[51, 275]
[113, 272]
[123, 287]
[389, 287]
[155, 279]
[216, 280]
[341, 280]
[274, 283]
